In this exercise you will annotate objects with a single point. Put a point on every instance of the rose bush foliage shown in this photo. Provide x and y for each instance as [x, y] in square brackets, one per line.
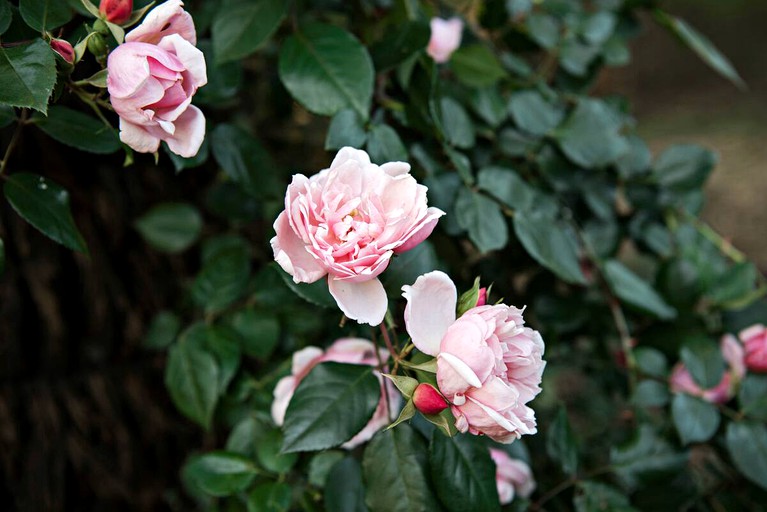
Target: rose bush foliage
[474, 145]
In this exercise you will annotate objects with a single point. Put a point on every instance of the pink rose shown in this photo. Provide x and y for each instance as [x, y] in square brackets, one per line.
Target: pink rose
[488, 364]
[682, 382]
[755, 340]
[445, 38]
[116, 11]
[344, 350]
[347, 222]
[512, 477]
[151, 81]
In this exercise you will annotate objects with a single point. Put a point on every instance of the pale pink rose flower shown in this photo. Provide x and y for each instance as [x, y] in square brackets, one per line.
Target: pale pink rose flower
[344, 350]
[512, 477]
[681, 380]
[755, 340]
[445, 38]
[347, 222]
[152, 79]
[489, 365]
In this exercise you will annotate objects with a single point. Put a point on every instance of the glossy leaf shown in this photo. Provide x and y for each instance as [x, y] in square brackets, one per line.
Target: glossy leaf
[6, 16]
[270, 497]
[242, 26]
[78, 130]
[634, 290]
[684, 167]
[221, 473]
[696, 420]
[162, 331]
[27, 75]
[44, 15]
[384, 145]
[245, 161]
[404, 40]
[534, 114]
[483, 219]
[590, 135]
[346, 129]
[170, 227]
[747, 445]
[222, 280]
[192, 379]
[345, 491]
[560, 443]
[476, 66]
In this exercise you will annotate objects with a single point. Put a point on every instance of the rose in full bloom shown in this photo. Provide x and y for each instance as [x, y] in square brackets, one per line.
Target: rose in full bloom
[513, 477]
[755, 340]
[152, 79]
[445, 38]
[344, 350]
[681, 380]
[116, 11]
[347, 222]
[489, 365]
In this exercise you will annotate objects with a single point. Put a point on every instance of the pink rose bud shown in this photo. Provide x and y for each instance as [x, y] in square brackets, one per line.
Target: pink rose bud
[512, 477]
[445, 38]
[681, 380]
[482, 298]
[116, 11]
[64, 49]
[428, 400]
[755, 340]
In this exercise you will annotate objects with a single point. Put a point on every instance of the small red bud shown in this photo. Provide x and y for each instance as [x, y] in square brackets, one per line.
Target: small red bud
[116, 11]
[428, 400]
[64, 49]
[482, 297]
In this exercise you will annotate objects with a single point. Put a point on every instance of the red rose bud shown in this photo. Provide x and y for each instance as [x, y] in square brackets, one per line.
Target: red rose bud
[116, 11]
[482, 297]
[64, 49]
[428, 400]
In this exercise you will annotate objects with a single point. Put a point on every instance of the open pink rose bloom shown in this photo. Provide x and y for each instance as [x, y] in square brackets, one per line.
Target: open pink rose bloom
[152, 79]
[681, 380]
[346, 222]
[489, 365]
[445, 38]
[344, 350]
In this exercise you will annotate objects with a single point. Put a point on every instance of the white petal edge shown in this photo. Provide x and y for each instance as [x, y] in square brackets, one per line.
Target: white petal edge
[462, 369]
[430, 310]
[364, 302]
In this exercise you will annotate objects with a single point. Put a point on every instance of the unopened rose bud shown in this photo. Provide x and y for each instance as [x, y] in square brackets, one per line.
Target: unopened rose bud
[116, 11]
[428, 400]
[96, 45]
[64, 49]
[482, 297]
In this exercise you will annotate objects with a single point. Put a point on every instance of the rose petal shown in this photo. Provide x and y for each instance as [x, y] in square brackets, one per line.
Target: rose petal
[138, 138]
[290, 253]
[365, 302]
[166, 19]
[189, 133]
[430, 310]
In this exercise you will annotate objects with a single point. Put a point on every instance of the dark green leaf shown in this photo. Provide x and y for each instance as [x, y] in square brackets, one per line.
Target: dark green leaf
[229, 201]
[326, 69]
[223, 344]
[180, 163]
[162, 331]
[170, 227]
[401, 42]
[747, 444]
[259, 331]
[700, 44]
[463, 462]
[550, 243]
[590, 136]
[44, 15]
[561, 445]
[651, 362]
[6, 16]
[315, 293]
[576, 57]
[224, 80]
[651, 393]
[269, 456]
[322, 464]
[242, 26]
[468, 299]
[517, 143]
[346, 129]
[245, 161]
[78, 130]
[221, 473]
[736, 284]
[752, 396]
[489, 105]
[543, 29]
[632, 289]
[393, 467]
[684, 167]
[345, 491]
[45, 205]
[532, 113]
[703, 359]
[192, 379]
[483, 219]
[244, 436]
[222, 280]
[456, 123]
[27, 75]
[384, 145]
[636, 160]
[598, 497]
[7, 116]
[406, 267]
[695, 420]
[646, 458]
[598, 27]
[331, 405]
[476, 66]
[270, 497]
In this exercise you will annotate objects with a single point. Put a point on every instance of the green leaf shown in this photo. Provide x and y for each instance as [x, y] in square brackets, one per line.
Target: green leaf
[245, 161]
[684, 167]
[222, 280]
[651, 393]
[259, 331]
[736, 284]
[345, 491]
[316, 293]
[321, 465]
[406, 385]
[399, 43]
[646, 458]
[269, 456]
[489, 105]
[346, 129]
[192, 379]
[561, 445]
[506, 185]
[221, 473]
[576, 57]
[6, 16]
[330, 406]
[483, 219]
[222, 342]
[27, 75]
[703, 359]
[393, 467]
[747, 444]
[224, 80]
[384, 145]
[242, 26]
[696, 420]
[632, 289]
[532, 113]
[700, 44]
[326, 69]
[170, 227]
[456, 123]
[162, 331]
[543, 29]
[45, 205]
[270, 497]
[7, 116]
[598, 27]
[636, 160]
[598, 497]
[590, 136]
[651, 362]
[476, 66]
[44, 15]
[468, 299]
[752, 396]
[407, 266]
[550, 243]
[463, 462]
[78, 130]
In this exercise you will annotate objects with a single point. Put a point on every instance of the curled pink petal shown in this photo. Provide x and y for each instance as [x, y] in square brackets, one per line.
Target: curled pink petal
[430, 310]
[364, 301]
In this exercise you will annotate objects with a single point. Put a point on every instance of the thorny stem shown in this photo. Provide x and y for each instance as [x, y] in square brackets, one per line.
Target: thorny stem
[14, 141]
